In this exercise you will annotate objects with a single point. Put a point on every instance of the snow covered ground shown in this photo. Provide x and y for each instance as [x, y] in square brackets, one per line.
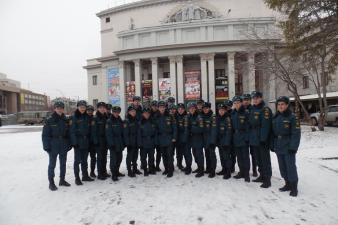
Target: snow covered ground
[25, 198]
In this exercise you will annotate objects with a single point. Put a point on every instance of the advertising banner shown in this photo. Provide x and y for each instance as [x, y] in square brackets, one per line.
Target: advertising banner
[192, 85]
[130, 91]
[164, 88]
[113, 86]
[147, 91]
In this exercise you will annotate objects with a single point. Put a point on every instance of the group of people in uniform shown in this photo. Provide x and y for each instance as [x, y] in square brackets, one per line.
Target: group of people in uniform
[239, 129]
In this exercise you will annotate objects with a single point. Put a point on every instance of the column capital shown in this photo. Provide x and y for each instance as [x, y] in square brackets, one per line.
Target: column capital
[179, 58]
[154, 60]
[137, 62]
[172, 59]
[231, 54]
[121, 63]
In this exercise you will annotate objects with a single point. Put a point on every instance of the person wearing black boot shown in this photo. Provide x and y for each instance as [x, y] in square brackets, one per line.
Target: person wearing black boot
[179, 155]
[80, 136]
[223, 139]
[209, 136]
[240, 126]
[154, 115]
[130, 130]
[92, 148]
[182, 137]
[195, 138]
[260, 117]
[285, 142]
[147, 140]
[247, 105]
[115, 142]
[98, 134]
[167, 134]
[55, 140]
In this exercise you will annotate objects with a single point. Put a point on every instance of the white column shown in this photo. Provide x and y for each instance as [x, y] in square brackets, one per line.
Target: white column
[204, 77]
[180, 79]
[211, 72]
[122, 86]
[251, 72]
[172, 60]
[231, 74]
[154, 71]
[137, 66]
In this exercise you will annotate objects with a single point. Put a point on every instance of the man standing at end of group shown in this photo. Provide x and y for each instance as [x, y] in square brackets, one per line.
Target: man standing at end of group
[286, 139]
[260, 117]
[55, 140]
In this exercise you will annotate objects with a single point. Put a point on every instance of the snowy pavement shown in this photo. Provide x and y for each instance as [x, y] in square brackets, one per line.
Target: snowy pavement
[25, 198]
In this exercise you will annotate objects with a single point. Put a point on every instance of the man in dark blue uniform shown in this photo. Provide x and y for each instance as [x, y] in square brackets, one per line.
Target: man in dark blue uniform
[195, 137]
[229, 105]
[154, 115]
[182, 138]
[99, 139]
[131, 126]
[248, 106]
[240, 126]
[137, 106]
[260, 117]
[115, 141]
[223, 140]
[55, 140]
[109, 108]
[209, 137]
[167, 134]
[285, 143]
[147, 140]
[92, 149]
[199, 105]
[80, 136]
[173, 112]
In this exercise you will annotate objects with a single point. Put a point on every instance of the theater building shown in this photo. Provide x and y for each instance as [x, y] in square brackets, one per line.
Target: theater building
[181, 48]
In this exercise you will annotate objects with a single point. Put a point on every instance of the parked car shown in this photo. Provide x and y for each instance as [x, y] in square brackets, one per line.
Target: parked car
[331, 119]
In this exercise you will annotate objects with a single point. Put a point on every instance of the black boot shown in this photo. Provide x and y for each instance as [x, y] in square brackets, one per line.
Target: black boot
[266, 183]
[227, 175]
[246, 177]
[170, 174]
[78, 181]
[195, 171]
[187, 170]
[107, 175]
[152, 171]
[101, 177]
[200, 173]
[165, 172]
[131, 174]
[238, 176]
[52, 185]
[85, 177]
[136, 171]
[63, 183]
[119, 174]
[232, 169]
[114, 177]
[158, 169]
[294, 189]
[220, 173]
[212, 174]
[180, 167]
[286, 187]
[92, 174]
[254, 173]
[258, 179]
[146, 173]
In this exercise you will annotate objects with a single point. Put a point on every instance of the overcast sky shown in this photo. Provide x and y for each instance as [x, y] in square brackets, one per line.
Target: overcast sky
[45, 43]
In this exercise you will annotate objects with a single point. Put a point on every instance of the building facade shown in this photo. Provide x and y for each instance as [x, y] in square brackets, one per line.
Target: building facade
[188, 49]
[9, 95]
[31, 101]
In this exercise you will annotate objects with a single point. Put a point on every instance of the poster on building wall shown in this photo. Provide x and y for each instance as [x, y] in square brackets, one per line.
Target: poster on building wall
[130, 91]
[192, 85]
[113, 86]
[164, 88]
[221, 82]
[147, 91]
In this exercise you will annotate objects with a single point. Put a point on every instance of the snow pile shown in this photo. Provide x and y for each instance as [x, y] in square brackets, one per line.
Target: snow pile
[25, 197]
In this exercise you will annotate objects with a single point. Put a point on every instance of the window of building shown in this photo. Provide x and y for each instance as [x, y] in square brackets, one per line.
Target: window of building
[94, 80]
[107, 19]
[305, 82]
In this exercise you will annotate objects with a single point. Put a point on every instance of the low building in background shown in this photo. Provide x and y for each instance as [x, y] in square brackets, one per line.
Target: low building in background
[31, 101]
[9, 95]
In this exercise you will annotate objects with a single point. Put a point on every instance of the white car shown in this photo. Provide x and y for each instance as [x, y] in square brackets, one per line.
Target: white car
[332, 116]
